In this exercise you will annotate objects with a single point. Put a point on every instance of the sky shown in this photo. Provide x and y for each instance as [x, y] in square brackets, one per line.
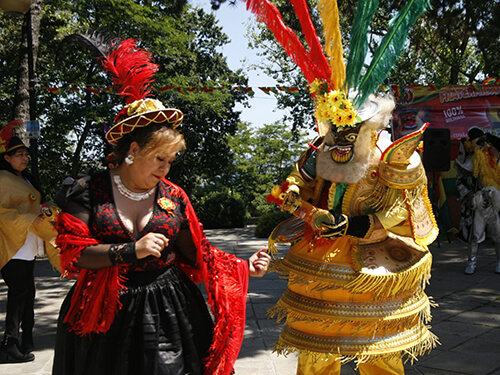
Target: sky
[234, 21]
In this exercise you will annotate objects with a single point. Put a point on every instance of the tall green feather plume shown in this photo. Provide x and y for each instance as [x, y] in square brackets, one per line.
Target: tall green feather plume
[358, 45]
[390, 48]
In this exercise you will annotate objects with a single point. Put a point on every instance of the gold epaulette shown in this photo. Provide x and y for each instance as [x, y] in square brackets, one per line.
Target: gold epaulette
[394, 162]
[396, 178]
[398, 181]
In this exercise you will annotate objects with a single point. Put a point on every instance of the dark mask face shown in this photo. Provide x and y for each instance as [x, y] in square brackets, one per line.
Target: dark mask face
[342, 149]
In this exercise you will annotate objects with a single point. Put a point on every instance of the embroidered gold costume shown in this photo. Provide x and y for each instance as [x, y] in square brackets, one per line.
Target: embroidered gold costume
[358, 261]
[360, 298]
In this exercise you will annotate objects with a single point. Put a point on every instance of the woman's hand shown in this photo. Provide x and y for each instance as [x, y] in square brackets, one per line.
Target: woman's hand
[151, 244]
[259, 263]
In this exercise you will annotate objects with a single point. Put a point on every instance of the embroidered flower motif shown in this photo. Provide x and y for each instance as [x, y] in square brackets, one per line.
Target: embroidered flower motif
[167, 205]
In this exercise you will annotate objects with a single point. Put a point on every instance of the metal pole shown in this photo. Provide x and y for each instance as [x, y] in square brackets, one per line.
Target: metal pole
[32, 98]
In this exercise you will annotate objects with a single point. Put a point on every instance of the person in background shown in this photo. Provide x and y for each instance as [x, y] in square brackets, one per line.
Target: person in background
[133, 240]
[484, 199]
[466, 183]
[22, 234]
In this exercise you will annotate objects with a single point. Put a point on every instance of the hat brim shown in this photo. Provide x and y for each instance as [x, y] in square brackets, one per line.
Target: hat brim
[17, 147]
[169, 115]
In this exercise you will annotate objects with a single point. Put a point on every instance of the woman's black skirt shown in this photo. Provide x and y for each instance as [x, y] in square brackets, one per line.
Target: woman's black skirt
[163, 328]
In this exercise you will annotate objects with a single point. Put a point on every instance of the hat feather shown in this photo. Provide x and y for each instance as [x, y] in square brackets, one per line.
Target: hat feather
[132, 70]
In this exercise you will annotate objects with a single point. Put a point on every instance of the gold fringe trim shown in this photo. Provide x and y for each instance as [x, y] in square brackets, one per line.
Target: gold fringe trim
[318, 275]
[424, 316]
[293, 278]
[410, 354]
[388, 320]
[387, 286]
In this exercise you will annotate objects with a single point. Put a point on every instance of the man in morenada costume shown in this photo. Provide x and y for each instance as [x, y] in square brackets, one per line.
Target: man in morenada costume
[358, 261]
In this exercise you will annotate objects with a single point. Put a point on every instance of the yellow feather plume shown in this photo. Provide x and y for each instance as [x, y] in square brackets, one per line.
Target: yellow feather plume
[329, 13]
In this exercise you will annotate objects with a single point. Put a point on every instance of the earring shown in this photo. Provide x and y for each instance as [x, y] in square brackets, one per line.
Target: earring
[129, 160]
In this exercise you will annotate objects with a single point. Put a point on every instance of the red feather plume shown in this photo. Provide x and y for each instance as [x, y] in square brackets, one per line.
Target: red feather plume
[132, 70]
[267, 13]
[315, 48]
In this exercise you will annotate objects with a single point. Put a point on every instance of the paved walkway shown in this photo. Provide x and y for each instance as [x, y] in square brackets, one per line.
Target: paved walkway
[467, 321]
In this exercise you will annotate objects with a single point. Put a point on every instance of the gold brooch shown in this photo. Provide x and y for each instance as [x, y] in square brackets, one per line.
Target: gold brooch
[167, 205]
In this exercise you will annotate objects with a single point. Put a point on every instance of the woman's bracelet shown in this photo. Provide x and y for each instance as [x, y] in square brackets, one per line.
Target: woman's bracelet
[120, 253]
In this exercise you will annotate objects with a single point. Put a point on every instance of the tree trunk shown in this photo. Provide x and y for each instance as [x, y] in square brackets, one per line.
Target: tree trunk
[21, 108]
[25, 96]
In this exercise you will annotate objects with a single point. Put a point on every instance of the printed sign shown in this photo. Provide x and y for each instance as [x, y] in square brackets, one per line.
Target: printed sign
[33, 129]
[457, 108]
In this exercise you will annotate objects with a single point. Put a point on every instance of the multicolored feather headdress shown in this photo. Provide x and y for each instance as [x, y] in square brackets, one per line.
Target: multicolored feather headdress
[341, 91]
[132, 71]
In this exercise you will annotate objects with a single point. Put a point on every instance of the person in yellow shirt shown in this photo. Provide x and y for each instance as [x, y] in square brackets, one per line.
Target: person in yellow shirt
[24, 234]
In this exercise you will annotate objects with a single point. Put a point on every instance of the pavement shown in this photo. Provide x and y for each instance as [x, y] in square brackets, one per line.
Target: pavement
[467, 320]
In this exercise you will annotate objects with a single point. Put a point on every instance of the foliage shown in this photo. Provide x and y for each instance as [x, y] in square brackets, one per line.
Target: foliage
[268, 222]
[221, 209]
[185, 43]
[263, 157]
[10, 35]
[454, 43]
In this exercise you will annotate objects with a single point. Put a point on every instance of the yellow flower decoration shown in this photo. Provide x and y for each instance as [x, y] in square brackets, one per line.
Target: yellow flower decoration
[336, 108]
[336, 98]
[167, 205]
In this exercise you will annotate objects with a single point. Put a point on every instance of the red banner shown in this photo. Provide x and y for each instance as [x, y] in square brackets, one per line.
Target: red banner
[457, 108]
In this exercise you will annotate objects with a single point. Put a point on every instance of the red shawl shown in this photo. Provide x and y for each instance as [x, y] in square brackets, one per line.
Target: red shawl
[95, 301]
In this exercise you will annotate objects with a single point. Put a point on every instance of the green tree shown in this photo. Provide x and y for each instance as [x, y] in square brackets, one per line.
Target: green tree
[186, 43]
[263, 157]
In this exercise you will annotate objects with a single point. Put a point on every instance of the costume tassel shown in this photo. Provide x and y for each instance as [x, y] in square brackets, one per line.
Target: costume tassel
[384, 286]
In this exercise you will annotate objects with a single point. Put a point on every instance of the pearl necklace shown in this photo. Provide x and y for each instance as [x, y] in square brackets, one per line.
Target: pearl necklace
[130, 194]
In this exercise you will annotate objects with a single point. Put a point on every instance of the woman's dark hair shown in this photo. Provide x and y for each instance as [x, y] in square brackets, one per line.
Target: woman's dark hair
[5, 165]
[493, 140]
[475, 133]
